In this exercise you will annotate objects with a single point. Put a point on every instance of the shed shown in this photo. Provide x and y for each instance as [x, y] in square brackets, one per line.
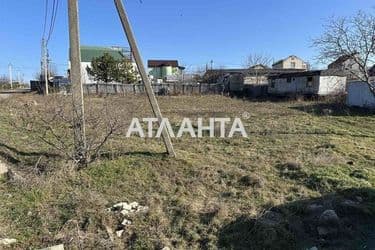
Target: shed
[252, 82]
[360, 95]
[317, 82]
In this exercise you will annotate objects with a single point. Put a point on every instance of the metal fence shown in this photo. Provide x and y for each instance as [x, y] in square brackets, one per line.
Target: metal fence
[159, 89]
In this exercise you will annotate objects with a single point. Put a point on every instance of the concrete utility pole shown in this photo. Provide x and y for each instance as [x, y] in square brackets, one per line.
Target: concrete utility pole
[80, 147]
[45, 65]
[10, 75]
[19, 77]
[150, 93]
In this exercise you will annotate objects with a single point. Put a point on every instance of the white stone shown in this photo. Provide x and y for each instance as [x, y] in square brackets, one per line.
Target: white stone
[123, 206]
[7, 242]
[58, 247]
[3, 169]
[119, 233]
[134, 205]
[125, 212]
[166, 248]
[126, 222]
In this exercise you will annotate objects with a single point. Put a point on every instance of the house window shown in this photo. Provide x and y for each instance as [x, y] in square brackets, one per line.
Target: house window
[289, 80]
[309, 81]
[293, 65]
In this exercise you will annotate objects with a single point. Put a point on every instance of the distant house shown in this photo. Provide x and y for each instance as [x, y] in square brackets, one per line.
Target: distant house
[360, 95]
[88, 53]
[318, 82]
[291, 62]
[347, 66]
[251, 82]
[165, 70]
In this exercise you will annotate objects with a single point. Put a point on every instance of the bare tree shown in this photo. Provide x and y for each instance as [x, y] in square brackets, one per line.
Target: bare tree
[257, 65]
[49, 122]
[257, 60]
[352, 37]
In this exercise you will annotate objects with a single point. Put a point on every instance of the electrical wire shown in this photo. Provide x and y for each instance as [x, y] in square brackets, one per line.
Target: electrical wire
[55, 8]
[45, 19]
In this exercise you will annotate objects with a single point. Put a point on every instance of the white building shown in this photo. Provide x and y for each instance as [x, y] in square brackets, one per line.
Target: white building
[291, 62]
[165, 70]
[316, 82]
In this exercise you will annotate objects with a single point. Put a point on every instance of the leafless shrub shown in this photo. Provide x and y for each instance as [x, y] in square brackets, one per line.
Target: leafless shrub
[48, 122]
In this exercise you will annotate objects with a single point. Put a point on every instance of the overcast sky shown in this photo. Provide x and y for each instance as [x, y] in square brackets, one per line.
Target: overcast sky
[194, 32]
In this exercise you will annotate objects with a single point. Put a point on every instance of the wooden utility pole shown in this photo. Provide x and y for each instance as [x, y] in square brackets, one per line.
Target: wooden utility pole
[80, 147]
[137, 57]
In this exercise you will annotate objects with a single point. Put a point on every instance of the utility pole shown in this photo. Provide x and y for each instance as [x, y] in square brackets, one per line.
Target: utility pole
[10, 76]
[80, 147]
[137, 56]
[19, 77]
[45, 65]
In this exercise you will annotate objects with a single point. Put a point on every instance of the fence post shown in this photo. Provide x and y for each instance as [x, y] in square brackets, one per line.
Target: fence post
[123, 89]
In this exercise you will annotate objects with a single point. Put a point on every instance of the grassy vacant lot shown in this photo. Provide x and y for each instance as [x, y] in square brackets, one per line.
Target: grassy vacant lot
[218, 193]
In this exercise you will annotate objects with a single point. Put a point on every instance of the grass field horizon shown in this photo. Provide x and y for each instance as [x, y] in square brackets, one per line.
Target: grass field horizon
[217, 192]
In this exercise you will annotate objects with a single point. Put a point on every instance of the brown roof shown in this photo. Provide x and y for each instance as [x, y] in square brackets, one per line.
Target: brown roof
[161, 63]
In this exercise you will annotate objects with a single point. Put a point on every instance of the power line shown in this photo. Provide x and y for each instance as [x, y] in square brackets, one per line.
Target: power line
[55, 8]
[45, 19]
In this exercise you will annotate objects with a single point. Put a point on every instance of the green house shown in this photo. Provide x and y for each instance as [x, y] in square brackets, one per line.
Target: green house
[165, 70]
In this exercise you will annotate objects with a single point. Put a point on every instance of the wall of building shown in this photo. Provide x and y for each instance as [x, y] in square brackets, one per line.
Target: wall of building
[308, 85]
[349, 68]
[360, 95]
[297, 85]
[253, 80]
[291, 63]
[332, 85]
[164, 72]
[86, 77]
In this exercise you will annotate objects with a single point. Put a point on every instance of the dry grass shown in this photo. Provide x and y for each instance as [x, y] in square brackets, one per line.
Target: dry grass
[192, 198]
